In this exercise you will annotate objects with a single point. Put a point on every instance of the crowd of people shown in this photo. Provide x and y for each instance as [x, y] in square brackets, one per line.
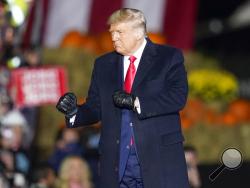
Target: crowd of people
[66, 166]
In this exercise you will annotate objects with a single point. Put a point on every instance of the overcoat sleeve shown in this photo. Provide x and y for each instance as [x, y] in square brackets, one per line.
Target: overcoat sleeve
[89, 112]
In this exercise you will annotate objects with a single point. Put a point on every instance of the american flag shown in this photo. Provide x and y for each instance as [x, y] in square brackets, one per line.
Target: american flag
[49, 20]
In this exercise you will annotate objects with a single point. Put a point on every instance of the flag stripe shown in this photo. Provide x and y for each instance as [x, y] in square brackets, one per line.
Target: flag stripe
[36, 32]
[100, 11]
[173, 18]
[44, 21]
[179, 22]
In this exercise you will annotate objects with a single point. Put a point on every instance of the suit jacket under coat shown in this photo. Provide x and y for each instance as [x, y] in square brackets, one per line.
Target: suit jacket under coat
[161, 86]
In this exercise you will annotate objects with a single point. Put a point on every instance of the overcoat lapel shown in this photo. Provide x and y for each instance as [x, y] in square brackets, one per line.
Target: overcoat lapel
[146, 62]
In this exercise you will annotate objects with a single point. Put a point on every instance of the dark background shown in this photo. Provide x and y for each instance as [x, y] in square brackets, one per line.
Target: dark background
[231, 46]
[238, 178]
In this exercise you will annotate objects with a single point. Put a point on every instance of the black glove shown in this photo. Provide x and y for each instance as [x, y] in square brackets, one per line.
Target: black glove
[124, 100]
[67, 104]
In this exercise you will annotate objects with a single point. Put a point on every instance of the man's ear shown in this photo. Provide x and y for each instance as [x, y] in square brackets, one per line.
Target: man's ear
[139, 34]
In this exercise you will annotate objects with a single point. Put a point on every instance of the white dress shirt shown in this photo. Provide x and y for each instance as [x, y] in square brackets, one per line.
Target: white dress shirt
[126, 63]
[137, 54]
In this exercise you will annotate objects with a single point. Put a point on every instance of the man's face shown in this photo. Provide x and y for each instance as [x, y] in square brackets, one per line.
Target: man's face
[126, 39]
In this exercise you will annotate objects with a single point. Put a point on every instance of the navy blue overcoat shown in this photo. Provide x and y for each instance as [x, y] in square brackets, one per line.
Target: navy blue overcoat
[161, 86]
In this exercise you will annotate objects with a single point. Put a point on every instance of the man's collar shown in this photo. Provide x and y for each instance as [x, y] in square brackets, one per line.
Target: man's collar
[138, 52]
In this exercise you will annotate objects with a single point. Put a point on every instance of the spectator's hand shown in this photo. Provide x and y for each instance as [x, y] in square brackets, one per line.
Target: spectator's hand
[124, 100]
[67, 104]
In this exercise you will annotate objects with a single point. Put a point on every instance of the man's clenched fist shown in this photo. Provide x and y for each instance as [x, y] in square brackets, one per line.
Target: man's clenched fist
[67, 104]
[124, 100]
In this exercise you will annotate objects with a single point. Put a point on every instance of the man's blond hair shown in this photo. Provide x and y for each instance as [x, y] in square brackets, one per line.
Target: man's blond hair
[129, 15]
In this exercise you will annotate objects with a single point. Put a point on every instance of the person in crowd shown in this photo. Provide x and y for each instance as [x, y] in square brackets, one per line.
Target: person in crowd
[13, 131]
[74, 173]
[136, 92]
[191, 157]
[31, 59]
[6, 168]
[9, 174]
[5, 103]
[43, 176]
[3, 181]
[8, 46]
[68, 143]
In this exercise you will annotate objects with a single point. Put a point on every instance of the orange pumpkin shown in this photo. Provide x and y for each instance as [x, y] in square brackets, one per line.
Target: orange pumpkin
[240, 109]
[210, 117]
[105, 42]
[194, 110]
[72, 39]
[157, 38]
[228, 119]
[185, 122]
[89, 43]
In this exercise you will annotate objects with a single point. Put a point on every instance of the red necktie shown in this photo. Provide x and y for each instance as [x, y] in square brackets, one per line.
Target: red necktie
[129, 79]
[130, 75]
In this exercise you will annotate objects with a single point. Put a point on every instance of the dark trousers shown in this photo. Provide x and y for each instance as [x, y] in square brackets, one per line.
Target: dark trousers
[132, 175]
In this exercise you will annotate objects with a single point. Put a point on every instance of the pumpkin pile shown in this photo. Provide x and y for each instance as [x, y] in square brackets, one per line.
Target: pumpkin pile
[196, 111]
[99, 43]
